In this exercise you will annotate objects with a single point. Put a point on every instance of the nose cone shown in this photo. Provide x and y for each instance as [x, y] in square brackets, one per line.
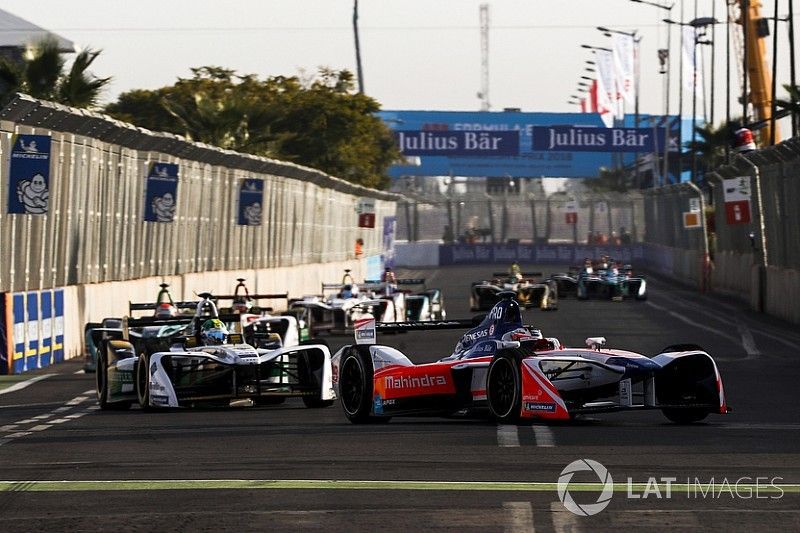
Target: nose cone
[635, 366]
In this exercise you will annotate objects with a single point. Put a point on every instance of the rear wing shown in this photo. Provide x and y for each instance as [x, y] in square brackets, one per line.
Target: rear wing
[153, 306]
[523, 274]
[399, 281]
[277, 296]
[366, 328]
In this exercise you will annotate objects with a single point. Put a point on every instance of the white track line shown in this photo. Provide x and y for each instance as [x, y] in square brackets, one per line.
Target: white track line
[693, 322]
[519, 517]
[23, 384]
[507, 436]
[544, 436]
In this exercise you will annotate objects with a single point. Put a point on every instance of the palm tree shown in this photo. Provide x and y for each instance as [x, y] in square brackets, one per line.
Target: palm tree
[711, 147]
[41, 75]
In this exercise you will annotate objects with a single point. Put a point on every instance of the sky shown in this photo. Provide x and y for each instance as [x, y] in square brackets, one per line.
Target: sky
[416, 54]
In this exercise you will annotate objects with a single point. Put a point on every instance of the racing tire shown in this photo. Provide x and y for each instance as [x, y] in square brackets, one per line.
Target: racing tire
[685, 416]
[355, 386]
[504, 387]
[142, 382]
[101, 384]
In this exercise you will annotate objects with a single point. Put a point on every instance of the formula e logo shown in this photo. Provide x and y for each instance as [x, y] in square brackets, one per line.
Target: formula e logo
[588, 509]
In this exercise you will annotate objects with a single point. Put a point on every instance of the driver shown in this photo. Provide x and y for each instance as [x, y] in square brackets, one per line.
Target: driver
[213, 331]
[166, 310]
[515, 272]
[347, 292]
[389, 280]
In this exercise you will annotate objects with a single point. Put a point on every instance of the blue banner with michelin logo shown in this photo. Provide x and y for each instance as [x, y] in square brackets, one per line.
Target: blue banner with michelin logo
[161, 192]
[476, 254]
[29, 175]
[588, 139]
[251, 201]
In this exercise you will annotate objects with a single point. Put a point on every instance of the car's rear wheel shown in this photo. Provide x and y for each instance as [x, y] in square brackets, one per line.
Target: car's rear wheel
[101, 382]
[355, 386]
[685, 416]
[504, 387]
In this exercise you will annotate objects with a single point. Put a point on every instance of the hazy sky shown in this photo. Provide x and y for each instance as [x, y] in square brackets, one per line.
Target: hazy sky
[416, 54]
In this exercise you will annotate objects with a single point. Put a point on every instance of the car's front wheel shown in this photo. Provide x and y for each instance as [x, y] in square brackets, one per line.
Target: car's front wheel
[504, 387]
[101, 382]
[355, 386]
[142, 382]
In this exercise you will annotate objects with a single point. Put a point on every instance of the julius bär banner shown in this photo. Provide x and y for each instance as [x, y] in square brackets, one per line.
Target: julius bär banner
[582, 139]
[161, 192]
[29, 175]
[458, 143]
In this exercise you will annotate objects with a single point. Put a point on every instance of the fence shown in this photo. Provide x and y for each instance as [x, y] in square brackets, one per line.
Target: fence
[540, 218]
[94, 229]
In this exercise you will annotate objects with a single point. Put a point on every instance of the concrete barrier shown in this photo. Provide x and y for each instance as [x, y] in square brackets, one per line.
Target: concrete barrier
[782, 294]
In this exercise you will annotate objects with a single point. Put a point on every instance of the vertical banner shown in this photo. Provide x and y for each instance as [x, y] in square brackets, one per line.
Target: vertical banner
[251, 198]
[29, 175]
[366, 213]
[58, 325]
[17, 355]
[692, 78]
[607, 104]
[32, 330]
[389, 231]
[6, 349]
[161, 192]
[571, 213]
[624, 66]
[46, 330]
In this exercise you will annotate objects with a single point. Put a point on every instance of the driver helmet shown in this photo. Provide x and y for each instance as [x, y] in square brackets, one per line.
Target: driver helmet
[347, 291]
[241, 305]
[166, 310]
[213, 331]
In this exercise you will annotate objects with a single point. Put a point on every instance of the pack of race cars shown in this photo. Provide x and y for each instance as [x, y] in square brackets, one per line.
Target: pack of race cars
[204, 353]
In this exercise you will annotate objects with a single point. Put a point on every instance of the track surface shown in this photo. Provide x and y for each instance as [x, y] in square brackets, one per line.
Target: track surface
[52, 431]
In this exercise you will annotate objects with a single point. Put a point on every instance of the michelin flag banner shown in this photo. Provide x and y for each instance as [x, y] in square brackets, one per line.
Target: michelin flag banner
[251, 200]
[29, 175]
[161, 192]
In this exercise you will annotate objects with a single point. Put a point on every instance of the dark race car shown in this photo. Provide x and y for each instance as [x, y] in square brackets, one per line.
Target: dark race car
[602, 280]
[528, 291]
[511, 370]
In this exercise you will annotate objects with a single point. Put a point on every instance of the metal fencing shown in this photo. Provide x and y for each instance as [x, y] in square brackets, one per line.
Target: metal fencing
[597, 219]
[94, 229]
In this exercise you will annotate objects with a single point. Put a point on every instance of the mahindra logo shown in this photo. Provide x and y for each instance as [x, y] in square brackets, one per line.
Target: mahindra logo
[391, 382]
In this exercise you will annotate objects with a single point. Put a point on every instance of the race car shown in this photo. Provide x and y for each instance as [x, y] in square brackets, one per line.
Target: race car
[602, 279]
[273, 331]
[529, 292]
[423, 305]
[511, 372]
[330, 311]
[209, 366]
[146, 337]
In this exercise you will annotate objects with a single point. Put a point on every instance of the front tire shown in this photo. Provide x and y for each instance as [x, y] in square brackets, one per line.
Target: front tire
[355, 386]
[504, 387]
[101, 383]
[143, 382]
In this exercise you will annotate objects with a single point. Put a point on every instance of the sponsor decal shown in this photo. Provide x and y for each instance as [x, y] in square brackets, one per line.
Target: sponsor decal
[540, 406]
[414, 382]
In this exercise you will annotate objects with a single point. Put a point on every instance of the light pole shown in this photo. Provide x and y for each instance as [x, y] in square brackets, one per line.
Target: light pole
[667, 126]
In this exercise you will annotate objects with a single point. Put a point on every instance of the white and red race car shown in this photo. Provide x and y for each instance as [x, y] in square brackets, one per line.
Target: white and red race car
[516, 373]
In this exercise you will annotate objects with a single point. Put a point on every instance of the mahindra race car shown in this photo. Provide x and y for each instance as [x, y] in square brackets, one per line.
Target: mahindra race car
[195, 371]
[528, 292]
[515, 373]
[329, 313]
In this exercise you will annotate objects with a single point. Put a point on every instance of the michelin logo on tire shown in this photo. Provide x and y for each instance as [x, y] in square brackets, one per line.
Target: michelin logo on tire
[585, 465]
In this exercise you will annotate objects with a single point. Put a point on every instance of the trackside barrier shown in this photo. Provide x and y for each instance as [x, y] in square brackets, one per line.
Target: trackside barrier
[33, 322]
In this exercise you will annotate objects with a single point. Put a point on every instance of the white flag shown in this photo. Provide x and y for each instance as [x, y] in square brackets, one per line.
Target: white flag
[606, 76]
[604, 105]
[692, 76]
[624, 65]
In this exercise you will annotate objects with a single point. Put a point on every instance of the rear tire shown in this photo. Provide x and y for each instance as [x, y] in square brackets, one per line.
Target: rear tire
[355, 386]
[685, 416]
[504, 387]
[101, 383]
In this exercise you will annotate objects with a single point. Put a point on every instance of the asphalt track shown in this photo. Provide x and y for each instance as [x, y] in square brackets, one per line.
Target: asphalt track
[65, 465]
